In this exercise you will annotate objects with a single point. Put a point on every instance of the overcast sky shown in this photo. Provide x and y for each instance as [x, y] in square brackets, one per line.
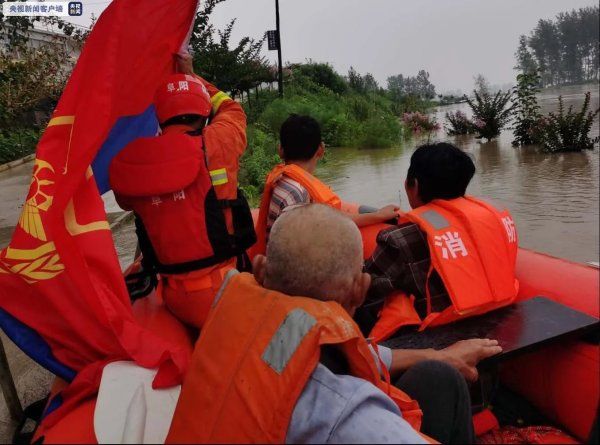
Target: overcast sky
[452, 39]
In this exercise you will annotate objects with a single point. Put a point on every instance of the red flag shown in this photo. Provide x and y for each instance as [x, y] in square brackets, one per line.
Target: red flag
[62, 295]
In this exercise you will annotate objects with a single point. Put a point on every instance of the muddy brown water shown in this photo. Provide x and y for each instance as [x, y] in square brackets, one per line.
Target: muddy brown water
[553, 197]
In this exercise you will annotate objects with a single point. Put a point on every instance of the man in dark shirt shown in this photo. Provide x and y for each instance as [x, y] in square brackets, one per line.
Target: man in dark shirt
[402, 260]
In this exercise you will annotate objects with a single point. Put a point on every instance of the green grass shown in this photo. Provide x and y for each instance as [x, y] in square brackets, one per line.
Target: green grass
[347, 120]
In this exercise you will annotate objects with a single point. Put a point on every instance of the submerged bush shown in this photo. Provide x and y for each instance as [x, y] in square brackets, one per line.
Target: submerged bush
[491, 113]
[459, 124]
[568, 131]
[420, 123]
[378, 132]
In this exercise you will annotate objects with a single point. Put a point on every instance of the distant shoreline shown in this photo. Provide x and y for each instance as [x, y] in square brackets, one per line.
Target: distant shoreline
[593, 84]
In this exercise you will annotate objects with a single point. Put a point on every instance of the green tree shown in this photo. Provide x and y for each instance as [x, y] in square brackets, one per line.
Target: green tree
[33, 83]
[527, 110]
[356, 81]
[371, 85]
[566, 50]
[482, 86]
[571, 48]
[546, 48]
[236, 68]
[424, 88]
[322, 74]
[396, 88]
[589, 30]
[525, 61]
[410, 94]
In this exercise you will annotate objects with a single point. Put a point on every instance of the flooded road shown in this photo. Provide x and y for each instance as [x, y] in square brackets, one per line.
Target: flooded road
[553, 197]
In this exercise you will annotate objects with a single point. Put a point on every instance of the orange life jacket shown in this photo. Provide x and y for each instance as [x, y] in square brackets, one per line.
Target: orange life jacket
[256, 353]
[184, 191]
[473, 248]
[319, 193]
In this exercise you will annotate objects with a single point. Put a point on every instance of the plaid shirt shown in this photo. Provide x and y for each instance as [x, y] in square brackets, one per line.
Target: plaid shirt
[401, 261]
[287, 193]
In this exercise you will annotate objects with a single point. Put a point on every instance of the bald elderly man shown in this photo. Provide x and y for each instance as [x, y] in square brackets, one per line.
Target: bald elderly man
[281, 360]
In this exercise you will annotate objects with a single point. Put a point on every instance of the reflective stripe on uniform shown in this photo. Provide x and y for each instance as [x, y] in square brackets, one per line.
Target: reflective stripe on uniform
[219, 177]
[286, 340]
[218, 99]
[435, 219]
[228, 276]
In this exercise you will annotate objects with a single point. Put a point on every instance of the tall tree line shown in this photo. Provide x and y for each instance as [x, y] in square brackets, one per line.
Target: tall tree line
[420, 86]
[236, 68]
[565, 50]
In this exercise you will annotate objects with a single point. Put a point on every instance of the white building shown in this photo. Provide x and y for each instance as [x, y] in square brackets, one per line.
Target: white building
[44, 34]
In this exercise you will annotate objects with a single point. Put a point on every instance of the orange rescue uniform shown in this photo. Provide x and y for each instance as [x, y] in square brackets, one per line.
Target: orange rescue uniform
[189, 296]
[179, 223]
[256, 353]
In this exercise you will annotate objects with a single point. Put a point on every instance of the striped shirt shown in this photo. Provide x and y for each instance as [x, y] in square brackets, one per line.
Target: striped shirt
[286, 193]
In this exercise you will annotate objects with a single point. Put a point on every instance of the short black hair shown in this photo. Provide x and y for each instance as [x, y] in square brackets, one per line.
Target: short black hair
[442, 170]
[300, 138]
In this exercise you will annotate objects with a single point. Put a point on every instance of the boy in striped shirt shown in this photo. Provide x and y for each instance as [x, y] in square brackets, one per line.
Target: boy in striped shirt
[301, 144]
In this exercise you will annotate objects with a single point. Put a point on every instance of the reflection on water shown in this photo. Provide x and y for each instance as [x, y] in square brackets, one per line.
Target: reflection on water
[553, 197]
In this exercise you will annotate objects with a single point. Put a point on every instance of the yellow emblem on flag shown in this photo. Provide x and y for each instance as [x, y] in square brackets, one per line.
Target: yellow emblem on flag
[40, 201]
[42, 262]
[32, 265]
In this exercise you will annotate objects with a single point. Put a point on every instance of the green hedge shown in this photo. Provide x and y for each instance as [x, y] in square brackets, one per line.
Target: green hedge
[349, 119]
[15, 144]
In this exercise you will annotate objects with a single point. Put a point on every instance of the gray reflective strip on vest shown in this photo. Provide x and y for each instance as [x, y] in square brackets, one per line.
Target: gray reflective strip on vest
[219, 177]
[437, 220]
[286, 340]
[228, 276]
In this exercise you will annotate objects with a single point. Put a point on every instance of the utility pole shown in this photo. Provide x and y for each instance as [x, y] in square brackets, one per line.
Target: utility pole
[280, 70]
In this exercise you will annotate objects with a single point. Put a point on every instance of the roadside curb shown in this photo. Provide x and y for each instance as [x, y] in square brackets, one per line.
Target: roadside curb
[16, 163]
[122, 220]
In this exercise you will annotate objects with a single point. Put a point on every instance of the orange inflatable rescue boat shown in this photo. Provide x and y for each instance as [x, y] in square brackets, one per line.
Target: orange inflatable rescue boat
[561, 381]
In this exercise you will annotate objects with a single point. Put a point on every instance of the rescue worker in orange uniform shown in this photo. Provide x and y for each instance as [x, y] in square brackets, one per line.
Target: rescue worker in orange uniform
[293, 182]
[281, 360]
[452, 256]
[192, 220]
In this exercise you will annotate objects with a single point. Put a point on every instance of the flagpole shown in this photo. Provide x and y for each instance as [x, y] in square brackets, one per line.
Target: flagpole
[9, 390]
[280, 70]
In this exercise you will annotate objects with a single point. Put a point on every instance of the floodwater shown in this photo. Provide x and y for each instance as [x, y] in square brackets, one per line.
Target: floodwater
[554, 198]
